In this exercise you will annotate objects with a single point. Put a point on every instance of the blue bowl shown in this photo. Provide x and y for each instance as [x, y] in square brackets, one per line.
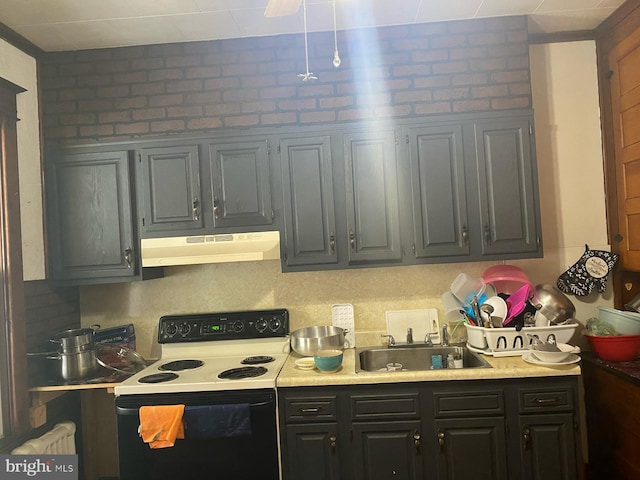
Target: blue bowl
[328, 360]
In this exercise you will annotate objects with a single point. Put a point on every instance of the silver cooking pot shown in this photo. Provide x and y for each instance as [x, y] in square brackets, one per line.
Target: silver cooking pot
[74, 340]
[76, 365]
[307, 341]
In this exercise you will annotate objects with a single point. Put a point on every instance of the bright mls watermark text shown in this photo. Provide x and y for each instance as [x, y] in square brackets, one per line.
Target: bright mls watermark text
[50, 467]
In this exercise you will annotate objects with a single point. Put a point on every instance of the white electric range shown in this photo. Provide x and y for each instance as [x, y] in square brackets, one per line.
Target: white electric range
[208, 361]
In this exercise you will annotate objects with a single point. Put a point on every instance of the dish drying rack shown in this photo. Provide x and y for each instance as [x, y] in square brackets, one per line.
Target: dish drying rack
[507, 342]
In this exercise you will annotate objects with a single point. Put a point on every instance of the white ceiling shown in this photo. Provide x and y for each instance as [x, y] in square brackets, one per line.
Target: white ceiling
[55, 25]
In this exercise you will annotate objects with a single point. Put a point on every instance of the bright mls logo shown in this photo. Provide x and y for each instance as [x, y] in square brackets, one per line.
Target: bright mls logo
[51, 467]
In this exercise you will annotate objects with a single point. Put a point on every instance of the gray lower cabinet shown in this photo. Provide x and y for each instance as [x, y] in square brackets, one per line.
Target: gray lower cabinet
[500, 429]
[91, 231]
[171, 196]
[387, 449]
[546, 446]
[313, 451]
[471, 445]
[309, 204]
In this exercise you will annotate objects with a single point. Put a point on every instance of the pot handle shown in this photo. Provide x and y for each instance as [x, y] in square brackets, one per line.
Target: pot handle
[95, 327]
[53, 356]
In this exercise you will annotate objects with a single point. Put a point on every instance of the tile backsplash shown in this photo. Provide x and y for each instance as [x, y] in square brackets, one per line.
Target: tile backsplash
[261, 285]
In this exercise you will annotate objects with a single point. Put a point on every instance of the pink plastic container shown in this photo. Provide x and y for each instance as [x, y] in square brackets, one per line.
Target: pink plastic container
[506, 279]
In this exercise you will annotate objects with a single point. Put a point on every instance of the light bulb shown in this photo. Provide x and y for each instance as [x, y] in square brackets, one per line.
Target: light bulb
[336, 59]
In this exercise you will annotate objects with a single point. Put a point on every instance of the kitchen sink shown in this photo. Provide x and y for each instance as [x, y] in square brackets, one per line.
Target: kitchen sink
[375, 359]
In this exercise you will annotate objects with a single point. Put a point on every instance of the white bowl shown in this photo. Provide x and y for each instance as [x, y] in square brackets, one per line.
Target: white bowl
[499, 308]
[625, 323]
[554, 357]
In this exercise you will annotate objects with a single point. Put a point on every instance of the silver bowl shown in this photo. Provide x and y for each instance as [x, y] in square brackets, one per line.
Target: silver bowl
[306, 341]
[553, 304]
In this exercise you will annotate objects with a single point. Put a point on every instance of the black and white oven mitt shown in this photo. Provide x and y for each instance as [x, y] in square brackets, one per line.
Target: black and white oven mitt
[591, 270]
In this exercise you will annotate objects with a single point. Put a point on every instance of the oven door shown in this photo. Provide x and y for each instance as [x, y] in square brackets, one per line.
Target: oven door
[253, 456]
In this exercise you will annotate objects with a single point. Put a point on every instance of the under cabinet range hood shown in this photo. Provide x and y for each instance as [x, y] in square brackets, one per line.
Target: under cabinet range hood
[199, 249]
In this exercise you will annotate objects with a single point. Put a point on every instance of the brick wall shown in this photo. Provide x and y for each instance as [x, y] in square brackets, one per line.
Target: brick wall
[403, 71]
[49, 311]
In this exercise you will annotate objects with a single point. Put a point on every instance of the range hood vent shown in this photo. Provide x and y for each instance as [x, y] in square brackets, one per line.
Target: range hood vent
[199, 249]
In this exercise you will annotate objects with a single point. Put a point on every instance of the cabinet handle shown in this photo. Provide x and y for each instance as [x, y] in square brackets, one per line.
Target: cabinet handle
[547, 401]
[332, 443]
[487, 235]
[310, 411]
[465, 235]
[128, 257]
[441, 440]
[526, 437]
[196, 209]
[416, 442]
[332, 242]
[352, 240]
[216, 208]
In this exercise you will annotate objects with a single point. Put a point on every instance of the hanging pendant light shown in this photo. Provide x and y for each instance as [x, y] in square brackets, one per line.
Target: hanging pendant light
[336, 54]
[307, 75]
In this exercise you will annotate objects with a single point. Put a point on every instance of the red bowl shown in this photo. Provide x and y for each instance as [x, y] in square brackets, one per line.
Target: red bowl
[617, 348]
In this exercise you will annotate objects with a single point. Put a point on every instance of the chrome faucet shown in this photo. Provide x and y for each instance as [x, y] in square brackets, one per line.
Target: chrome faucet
[445, 336]
[409, 335]
[427, 340]
[392, 341]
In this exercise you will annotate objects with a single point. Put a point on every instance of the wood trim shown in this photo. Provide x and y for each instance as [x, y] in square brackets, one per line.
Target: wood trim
[12, 285]
[21, 43]
[559, 37]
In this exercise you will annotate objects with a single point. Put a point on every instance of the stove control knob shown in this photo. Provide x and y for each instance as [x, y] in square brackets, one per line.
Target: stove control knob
[237, 326]
[171, 329]
[184, 329]
[274, 324]
[261, 325]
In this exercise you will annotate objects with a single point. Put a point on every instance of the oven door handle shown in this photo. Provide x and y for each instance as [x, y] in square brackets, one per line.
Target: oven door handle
[134, 410]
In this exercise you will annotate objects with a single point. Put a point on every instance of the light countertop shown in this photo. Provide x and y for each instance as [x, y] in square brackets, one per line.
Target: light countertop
[502, 368]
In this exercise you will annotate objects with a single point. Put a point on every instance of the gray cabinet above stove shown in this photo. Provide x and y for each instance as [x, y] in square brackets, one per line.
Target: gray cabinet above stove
[446, 188]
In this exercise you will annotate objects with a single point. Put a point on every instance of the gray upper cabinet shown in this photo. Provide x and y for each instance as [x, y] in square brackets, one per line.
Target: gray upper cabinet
[372, 204]
[171, 194]
[240, 183]
[90, 227]
[507, 186]
[309, 206]
[438, 189]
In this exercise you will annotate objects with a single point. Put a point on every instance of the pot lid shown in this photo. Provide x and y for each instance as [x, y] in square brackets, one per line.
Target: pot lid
[119, 359]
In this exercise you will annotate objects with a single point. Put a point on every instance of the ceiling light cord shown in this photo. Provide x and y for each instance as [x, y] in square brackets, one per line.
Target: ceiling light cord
[307, 75]
[336, 55]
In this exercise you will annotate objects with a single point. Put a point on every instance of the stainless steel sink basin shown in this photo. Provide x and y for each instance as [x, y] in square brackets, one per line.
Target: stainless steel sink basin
[375, 359]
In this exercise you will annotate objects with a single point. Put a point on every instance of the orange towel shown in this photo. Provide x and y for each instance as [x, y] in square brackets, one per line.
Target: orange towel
[161, 425]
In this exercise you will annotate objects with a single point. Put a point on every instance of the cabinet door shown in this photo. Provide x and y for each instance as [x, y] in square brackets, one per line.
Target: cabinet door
[383, 450]
[471, 448]
[240, 183]
[548, 447]
[309, 211]
[438, 190]
[91, 232]
[171, 193]
[371, 183]
[311, 452]
[507, 186]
